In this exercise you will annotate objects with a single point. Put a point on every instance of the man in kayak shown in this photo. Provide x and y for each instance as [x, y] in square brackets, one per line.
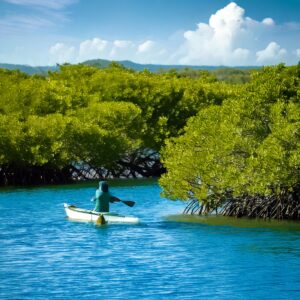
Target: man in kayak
[103, 197]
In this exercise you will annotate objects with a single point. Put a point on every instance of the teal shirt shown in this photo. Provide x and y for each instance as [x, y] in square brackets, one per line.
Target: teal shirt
[102, 201]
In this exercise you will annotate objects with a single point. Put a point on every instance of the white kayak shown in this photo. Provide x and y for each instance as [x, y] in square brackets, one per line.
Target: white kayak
[76, 213]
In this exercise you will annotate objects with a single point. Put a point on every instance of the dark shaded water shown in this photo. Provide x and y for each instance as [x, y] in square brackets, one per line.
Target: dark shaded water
[45, 256]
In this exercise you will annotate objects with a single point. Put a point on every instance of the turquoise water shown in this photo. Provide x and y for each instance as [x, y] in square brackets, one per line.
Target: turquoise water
[45, 256]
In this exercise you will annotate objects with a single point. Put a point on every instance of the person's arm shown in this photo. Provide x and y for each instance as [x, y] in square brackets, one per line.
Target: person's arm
[114, 199]
[95, 197]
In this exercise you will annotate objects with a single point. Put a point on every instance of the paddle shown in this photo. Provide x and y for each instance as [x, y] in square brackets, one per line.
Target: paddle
[127, 202]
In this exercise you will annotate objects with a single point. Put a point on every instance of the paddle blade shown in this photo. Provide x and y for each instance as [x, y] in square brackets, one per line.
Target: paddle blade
[129, 203]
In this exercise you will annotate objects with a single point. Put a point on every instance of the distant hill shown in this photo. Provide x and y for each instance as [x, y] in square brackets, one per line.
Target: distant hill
[102, 63]
[239, 74]
[40, 70]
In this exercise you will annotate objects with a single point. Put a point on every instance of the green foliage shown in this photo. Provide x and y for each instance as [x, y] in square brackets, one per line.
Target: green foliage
[229, 75]
[233, 75]
[58, 121]
[248, 145]
[103, 132]
[10, 139]
[217, 137]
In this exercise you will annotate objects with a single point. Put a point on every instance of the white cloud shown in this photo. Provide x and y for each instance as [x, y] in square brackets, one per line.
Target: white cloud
[272, 54]
[268, 22]
[151, 52]
[122, 44]
[229, 38]
[146, 46]
[49, 4]
[92, 49]
[40, 14]
[147, 52]
[241, 55]
[21, 23]
[122, 50]
[61, 53]
[216, 43]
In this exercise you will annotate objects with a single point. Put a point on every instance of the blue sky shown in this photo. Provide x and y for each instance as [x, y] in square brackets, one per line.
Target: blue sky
[194, 32]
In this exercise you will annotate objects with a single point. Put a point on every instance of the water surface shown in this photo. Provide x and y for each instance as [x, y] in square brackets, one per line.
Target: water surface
[45, 256]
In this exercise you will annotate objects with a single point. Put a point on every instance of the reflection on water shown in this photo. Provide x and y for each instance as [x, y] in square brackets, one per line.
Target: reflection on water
[286, 232]
[43, 255]
[236, 222]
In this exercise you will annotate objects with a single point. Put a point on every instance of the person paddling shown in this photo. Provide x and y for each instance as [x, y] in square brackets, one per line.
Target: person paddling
[103, 197]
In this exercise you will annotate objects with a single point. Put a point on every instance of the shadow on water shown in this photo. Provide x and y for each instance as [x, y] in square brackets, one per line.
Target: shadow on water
[83, 184]
[268, 248]
[236, 222]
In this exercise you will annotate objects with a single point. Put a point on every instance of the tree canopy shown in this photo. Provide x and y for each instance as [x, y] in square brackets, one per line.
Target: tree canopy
[249, 145]
[81, 115]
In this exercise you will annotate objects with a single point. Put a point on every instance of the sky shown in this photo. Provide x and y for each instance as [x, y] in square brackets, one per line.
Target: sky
[189, 32]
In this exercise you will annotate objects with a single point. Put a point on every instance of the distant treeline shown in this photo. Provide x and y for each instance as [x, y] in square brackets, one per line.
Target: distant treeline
[220, 142]
[227, 74]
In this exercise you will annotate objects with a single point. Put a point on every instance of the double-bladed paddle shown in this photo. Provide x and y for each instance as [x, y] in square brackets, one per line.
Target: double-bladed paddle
[127, 202]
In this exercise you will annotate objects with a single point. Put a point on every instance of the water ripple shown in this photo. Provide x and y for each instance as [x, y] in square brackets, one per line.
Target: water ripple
[45, 256]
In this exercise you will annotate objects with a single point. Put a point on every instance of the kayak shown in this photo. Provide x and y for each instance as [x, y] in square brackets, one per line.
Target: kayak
[76, 213]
